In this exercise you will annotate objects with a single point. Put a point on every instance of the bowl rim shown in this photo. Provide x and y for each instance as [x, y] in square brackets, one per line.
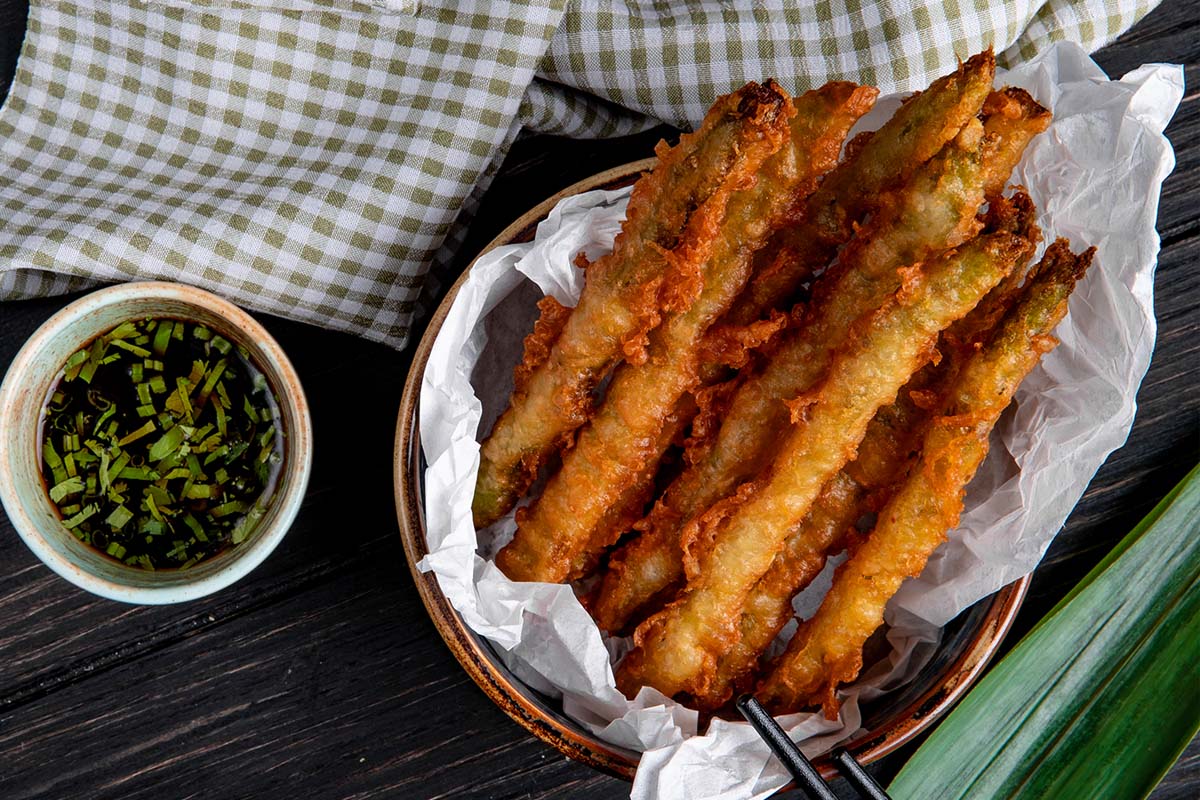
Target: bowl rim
[507, 691]
[297, 464]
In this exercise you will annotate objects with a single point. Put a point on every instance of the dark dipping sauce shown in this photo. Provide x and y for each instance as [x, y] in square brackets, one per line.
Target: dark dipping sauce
[161, 444]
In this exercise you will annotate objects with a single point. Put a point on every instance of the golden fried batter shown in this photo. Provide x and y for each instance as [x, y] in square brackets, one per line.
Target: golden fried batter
[827, 650]
[934, 210]
[676, 650]
[558, 535]
[671, 224]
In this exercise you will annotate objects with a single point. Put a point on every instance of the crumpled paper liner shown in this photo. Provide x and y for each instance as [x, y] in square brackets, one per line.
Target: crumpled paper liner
[1095, 176]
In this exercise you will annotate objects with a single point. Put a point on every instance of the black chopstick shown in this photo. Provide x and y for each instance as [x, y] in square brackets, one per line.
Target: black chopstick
[858, 777]
[806, 775]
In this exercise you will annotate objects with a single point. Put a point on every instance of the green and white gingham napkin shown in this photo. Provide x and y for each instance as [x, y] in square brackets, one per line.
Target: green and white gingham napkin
[314, 159]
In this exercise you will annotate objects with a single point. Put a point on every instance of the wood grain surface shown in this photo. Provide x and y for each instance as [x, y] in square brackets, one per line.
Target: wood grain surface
[319, 674]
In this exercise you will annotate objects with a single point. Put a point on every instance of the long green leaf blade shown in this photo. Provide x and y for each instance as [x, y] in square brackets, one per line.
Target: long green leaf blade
[1100, 698]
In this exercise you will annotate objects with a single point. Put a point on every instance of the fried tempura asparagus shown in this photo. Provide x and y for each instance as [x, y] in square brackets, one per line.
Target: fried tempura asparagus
[558, 535]
[915, 133]
[882, 459]
[670, 229]
[631, 502]
[935, 210]
[1011, 119]
[729, 549]
[889, 446]
[827, 650]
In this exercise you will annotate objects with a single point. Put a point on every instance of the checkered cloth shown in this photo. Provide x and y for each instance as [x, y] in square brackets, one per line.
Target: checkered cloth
[314, 159]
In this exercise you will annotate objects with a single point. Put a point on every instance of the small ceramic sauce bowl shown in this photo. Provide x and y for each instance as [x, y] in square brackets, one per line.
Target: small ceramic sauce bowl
[22, 400]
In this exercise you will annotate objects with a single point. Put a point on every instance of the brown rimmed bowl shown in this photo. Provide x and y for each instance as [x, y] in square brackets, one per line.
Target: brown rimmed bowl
[968, 642]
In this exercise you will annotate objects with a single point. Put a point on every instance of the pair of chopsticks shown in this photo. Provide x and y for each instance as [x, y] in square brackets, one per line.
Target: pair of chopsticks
[806, 775]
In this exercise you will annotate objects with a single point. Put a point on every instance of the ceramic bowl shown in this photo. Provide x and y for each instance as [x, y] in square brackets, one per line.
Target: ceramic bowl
[968, 642]
[23, 395]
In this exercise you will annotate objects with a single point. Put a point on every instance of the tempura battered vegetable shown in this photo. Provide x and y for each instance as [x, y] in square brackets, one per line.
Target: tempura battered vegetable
[916, 133]
[883, 457]
[1011, 119]
[889, 446]
[827, 650]
[670, 229]
[633, 497]
[731, 547]
[561, 533]
[763, 357]
[935, 210]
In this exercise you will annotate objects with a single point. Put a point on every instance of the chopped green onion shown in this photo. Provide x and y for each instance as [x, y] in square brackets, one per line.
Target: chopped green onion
[183, 388]
[112, 409]
[74, 364]
[139, 474]
[87, 512]
[145, 430]
[196, 528]
[126, 330]
[68, 487]
[167, 444]
[125, 470]
[94, 356]
[203, 491]
[197, 374]
[50, 455]
[119, 517]
[251, 412]
[225, 509]
[109, 474]
[132, 348]
[162, 337]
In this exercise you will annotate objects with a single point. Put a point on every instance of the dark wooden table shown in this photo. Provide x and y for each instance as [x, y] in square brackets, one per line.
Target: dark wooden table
[320, 676]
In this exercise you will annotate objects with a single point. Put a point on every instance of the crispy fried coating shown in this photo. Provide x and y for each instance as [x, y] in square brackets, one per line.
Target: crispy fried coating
[671, 226]
[891, 444]
[649, 565]
[633, 498]
[677, 649]
[1011, 119]
[552, 317]
[883, 456]
[827, 650]
[1014, 214]
[934, 210]
[560, 533]
[916, 133]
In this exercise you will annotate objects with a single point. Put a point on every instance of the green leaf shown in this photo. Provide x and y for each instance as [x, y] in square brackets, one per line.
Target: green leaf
[1100, 698]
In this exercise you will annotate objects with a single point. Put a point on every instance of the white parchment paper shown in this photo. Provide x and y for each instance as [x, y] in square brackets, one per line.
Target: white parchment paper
[1095, 176]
